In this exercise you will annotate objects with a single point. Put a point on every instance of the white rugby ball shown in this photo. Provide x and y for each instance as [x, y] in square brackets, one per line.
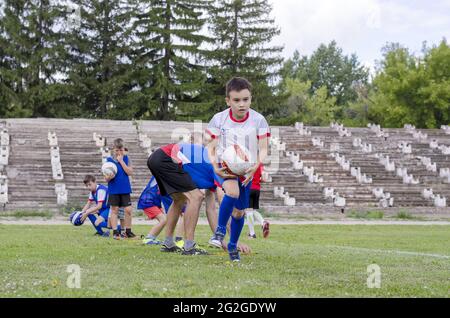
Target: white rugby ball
[237, 160]
[109, 169]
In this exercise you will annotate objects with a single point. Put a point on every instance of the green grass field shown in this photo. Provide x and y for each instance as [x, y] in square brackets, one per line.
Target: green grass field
[296, 261]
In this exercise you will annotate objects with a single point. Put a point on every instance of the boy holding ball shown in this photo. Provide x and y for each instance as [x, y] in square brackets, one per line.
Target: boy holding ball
[120, 189]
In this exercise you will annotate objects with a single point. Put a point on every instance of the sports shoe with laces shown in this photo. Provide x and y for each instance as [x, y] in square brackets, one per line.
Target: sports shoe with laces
[195, 250]
[150, 241]
[234, 256]
[217, 240]
[172, 249]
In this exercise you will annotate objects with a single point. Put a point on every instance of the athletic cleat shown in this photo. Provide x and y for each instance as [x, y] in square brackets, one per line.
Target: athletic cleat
[117, 237]
[173, 249]
[148, 241]
[234, 256]
[105, 234]
[217, 240]
[179, 243]
[210, 242]
[252, 236]
[130, 235]
[194, 251]
[266, 229]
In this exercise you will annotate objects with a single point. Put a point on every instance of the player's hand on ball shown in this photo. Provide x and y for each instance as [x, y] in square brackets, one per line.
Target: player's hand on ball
[223, 173]
[249, 174]
[84, 216]
[244, 248]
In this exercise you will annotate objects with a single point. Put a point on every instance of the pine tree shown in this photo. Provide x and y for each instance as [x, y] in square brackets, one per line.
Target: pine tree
[242, 30]
[170, 57]
[100, 69]
[29, 60]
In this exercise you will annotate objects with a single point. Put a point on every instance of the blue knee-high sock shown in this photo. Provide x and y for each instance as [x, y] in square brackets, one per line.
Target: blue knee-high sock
[225, 211]
[236, 228]
[92, 218]
[103, 225]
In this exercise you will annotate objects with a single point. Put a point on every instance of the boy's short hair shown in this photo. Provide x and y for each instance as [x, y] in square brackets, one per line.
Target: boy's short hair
[88, 178]
[238, 84]
[118, 143]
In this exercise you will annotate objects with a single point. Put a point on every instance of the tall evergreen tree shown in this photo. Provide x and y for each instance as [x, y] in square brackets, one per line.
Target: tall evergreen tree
[170, 58]
[29, 64]
[242, 30]
[100, 68]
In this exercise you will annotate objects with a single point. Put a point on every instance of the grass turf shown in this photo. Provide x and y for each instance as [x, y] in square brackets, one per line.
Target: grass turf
[296, 261]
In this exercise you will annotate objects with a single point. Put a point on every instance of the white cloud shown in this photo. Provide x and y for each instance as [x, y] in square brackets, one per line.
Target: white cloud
[359, 26]
[305, 24]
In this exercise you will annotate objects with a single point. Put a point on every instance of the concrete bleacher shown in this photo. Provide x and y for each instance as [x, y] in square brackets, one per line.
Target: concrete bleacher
[31, 184]
[406, 195]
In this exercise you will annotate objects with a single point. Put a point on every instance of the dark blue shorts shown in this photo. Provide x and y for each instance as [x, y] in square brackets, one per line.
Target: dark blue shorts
[104, 214]
[244, 192]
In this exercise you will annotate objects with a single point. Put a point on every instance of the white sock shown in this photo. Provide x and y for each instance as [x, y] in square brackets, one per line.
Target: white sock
[250, 221]
[258, 217]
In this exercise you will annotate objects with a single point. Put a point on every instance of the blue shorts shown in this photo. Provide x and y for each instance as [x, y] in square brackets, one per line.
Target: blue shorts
[104, 214]
[244, 192]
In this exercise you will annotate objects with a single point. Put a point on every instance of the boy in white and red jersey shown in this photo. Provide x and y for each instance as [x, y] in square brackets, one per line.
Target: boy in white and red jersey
[238, 125]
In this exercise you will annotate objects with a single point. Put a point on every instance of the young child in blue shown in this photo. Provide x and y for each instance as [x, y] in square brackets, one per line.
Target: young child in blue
[151, 202]
[96, 208]
[120, 190]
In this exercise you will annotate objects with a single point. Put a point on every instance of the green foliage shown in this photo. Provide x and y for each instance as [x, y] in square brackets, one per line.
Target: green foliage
[404, 215]
[169, 58]
[412, 90]
[98, 60]
[316, 109]
[30, 58]
[149, 59]
[376, 215]
[328, 67]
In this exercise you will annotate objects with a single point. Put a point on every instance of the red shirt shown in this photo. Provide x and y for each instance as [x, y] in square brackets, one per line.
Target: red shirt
[172, 151]
[256, 183]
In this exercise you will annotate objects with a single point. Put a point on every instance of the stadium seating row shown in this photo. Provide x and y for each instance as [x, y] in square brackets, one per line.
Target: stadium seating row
[312, 165]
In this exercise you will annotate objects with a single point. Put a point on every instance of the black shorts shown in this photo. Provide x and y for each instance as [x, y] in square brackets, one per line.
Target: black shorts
[170, 176]
[120, 200]
[254, 199]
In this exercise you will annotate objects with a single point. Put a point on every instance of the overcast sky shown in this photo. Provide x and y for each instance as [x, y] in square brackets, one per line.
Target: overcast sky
[360, 26]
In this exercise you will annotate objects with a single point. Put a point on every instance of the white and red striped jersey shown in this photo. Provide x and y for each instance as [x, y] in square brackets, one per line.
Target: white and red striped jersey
[245, 132]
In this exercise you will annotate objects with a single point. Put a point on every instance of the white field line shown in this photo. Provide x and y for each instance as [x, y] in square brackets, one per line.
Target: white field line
[370, 250]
